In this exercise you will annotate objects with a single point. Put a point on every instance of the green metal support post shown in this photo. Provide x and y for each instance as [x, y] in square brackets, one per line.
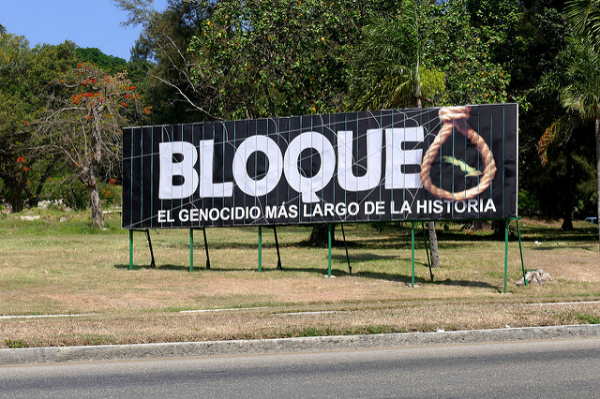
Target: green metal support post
[191, 250]
[259, 248]
[506, 222]
[329, 241]
[130, 249]
[521, 251]
[412, 241]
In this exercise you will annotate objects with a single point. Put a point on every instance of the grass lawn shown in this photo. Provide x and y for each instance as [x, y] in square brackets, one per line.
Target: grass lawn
[54, 267]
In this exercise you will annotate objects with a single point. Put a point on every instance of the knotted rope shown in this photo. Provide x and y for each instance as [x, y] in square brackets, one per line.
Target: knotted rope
[456, 117]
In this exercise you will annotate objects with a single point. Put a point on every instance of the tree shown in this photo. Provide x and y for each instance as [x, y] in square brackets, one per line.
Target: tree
[161, 56]
[469, 40]
[277, 58]
[85, 112]
[582, 95]
[24, 72]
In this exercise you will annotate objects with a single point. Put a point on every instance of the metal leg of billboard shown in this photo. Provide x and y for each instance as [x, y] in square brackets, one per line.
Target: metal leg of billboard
[130, 249]
[152, 262]
[206, 249]
[346, 246]
[521, 250]
[506, 225]
[426, 240]
[329, 244]
[191, 250]
[412, 252]
[259, 248]
[279, 267]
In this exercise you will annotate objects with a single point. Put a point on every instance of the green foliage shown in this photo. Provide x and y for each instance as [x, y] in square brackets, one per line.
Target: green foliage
[387, 70]
[588, 318]
[279, 57]
[16, 343]
[581, 94]
[108, 63]
[70, 191]
[585, 20]
[466, 40]
[529, 203]
[24, 72]
[82, 123]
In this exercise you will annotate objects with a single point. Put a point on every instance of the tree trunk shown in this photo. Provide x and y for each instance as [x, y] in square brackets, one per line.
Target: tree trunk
[88, 178]
[598, 176]
[15, 188]
[433, 241]
[34, 198]
[433, 245]
[319, 237]
[567, 211]
[96, 205]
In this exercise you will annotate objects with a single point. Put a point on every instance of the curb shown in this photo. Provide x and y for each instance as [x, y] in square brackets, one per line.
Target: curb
[287, 345]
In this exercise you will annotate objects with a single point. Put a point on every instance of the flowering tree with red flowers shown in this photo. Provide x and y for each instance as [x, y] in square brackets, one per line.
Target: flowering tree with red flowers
[83, 122]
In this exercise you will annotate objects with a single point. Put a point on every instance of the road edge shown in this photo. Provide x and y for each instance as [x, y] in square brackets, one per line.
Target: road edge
[47, 355]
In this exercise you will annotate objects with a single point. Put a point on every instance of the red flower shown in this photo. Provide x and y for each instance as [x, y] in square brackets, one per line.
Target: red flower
[20, 159]
[25, 168]
[112, 181]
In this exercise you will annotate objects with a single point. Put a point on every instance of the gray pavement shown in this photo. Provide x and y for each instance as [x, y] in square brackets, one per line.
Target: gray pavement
[287, 345]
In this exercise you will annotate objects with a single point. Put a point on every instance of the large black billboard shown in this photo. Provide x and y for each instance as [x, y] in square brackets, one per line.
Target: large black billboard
[450, 163]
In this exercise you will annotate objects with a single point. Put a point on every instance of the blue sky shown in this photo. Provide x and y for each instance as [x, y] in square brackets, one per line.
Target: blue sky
[88, 23]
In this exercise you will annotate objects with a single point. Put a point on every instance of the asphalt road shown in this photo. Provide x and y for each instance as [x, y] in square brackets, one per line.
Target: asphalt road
[533, 369]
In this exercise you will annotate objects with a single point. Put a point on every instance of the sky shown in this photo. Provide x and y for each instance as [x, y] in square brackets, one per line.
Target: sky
[87, 23]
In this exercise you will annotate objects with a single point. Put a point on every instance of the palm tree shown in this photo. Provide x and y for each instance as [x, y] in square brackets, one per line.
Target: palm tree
[584, 17]
[559, 135]
[390, 73]
[582, 94]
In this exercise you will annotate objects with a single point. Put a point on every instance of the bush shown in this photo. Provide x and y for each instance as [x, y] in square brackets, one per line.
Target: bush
[110, 194]
[71, 191]
[74, 194]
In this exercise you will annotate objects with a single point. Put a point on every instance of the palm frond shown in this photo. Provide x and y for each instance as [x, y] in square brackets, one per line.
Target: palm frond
[584, 16]
[560, 131]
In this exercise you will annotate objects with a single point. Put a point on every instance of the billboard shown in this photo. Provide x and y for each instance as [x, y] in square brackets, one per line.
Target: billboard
[453, 163]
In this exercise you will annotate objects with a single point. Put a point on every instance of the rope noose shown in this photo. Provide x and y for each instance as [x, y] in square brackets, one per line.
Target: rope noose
[456, 117]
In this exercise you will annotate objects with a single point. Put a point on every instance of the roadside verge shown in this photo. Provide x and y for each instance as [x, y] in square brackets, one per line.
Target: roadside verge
[287, 345]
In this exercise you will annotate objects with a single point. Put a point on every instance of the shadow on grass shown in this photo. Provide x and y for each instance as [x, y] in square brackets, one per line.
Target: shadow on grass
[337, 272]
[149, 267]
